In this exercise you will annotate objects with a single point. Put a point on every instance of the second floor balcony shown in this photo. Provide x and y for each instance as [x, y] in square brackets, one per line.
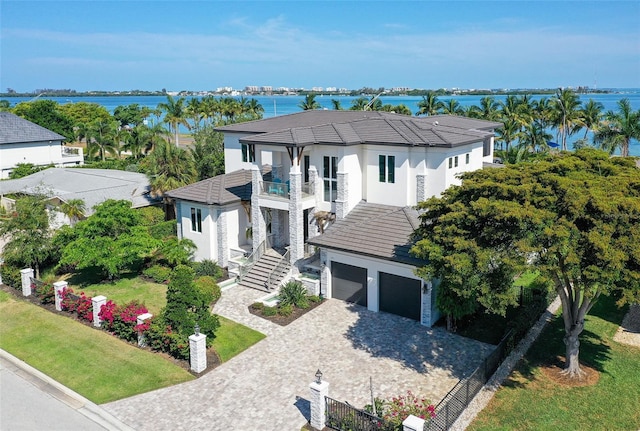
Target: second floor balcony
[278, 189]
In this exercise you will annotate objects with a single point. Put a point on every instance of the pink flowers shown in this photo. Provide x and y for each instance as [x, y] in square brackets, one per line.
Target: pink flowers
[399, 408]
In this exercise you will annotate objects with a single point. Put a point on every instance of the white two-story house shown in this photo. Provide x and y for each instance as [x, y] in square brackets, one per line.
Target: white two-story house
[344, 183]
[22, 141]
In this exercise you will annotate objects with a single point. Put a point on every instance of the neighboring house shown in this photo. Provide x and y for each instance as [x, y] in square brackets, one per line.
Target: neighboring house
[345, 182]
[22, 141]
[92, 186]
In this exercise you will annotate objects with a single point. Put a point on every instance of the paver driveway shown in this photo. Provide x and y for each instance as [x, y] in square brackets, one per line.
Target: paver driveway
[267, 386]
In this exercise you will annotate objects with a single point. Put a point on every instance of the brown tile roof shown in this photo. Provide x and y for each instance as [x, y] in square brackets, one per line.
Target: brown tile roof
[219, 190]
[14, 129]
[380, 231]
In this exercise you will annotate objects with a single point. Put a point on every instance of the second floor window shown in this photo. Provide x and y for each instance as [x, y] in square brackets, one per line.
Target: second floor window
[387, 169]
[248, 153]
[196, 220]
[330, 178]
[467, 158]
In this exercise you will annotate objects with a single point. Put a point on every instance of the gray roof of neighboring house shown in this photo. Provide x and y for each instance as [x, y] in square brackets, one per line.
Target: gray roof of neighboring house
[220, 190]
[440, 131]
[380, 231]
[93, 186]
[14, 130]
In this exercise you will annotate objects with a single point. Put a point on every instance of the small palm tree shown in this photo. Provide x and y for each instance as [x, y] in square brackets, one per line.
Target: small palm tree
[74, 209]
[567, 116]
[429, 104]
[591, 116]
[619, 128]
[175, 115]
[336, 104]
[451, 107]
[309, 103]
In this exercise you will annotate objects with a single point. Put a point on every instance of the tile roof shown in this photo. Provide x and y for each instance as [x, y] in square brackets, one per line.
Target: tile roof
[374, 230]
[93, 186]
[14, 130]
[219, 190]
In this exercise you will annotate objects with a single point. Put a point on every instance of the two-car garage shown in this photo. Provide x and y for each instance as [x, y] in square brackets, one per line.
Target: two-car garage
[396, 294]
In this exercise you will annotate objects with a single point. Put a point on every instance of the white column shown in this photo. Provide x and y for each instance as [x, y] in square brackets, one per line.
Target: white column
[58, 287]
[342, 201]
[97, 302]
[198, 352]
[413, 423]
[296, 218]
[140, 320]
[421, 187]
[426, 304]
[222, 236]
[318, 405]
[26, 275]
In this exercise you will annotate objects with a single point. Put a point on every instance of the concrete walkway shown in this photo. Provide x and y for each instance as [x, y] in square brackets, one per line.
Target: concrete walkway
[267, 386]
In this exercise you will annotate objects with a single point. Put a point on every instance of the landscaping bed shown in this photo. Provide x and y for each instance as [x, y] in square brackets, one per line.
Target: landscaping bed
[280, 319]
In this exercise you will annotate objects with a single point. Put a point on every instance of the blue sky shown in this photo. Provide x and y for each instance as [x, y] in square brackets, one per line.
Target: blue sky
[203, 45]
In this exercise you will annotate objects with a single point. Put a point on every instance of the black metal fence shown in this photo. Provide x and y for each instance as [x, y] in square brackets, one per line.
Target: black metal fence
[345, 417]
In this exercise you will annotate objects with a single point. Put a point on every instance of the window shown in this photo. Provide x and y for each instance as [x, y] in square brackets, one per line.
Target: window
[330, 177]
[467, 158]
[455, 161]
[387, 169]
[450, 163]
[196, 220]
[248, 153]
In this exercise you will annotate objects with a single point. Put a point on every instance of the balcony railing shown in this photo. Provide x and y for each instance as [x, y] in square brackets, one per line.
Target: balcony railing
[281, 190]
[71, 151]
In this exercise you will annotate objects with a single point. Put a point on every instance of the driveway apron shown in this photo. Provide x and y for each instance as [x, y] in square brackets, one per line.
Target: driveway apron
[267, 386]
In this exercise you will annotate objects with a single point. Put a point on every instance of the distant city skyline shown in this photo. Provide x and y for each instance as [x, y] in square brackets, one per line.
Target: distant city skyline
[203, 45]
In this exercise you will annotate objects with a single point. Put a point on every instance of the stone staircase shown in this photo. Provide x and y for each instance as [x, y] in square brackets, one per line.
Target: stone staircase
[257, 277]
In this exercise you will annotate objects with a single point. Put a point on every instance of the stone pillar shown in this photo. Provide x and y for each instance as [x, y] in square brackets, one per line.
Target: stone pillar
[413, 423]
[342, 201]
[221, 230]
[296, 219]
[318, 404]
[421, 187]
[277, 227]
[316, 185]
[325, 274]
[140, 320]
[425, 318]
[58, 287]
[198, 352]
[97, 302]
[258, 225]
[26, 275]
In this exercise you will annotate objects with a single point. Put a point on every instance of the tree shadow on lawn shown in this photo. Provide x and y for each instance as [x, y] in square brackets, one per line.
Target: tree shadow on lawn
[413, 345]
[89, 276]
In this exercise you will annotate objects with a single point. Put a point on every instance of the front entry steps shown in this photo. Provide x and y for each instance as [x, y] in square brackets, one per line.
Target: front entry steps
[257, 276]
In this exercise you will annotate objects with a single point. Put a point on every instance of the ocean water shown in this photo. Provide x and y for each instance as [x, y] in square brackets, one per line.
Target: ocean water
[283, 105]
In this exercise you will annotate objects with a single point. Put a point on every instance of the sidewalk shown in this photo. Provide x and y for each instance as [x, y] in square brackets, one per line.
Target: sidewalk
[31, 400]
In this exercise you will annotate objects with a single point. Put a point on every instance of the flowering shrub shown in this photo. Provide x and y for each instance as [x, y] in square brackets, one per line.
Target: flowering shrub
[80, 305]
[397, 409]
[45, 292]
[162, 338]
[122, 321]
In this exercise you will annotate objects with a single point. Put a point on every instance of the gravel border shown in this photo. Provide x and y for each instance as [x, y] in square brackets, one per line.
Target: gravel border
[481, 400]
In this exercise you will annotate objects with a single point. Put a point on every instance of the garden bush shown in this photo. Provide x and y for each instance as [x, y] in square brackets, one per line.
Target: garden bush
[158, 273]
[397, 409]
[269, 311]
[207, 267]
[79, 304]
[162, 338]
[257, 306]
[11, 276]
[122, 321]
[44, 291]
[164, 229]
[294, 293]
[285, 310]
[208, 288]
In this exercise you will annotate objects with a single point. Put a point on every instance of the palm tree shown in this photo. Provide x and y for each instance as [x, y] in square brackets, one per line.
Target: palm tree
[429, 104]
[309, 103]
[255, 109]
[194, 110]
[175, 115]
[336, 105]
[104, 136]
[230, 109]
[451, 107]
[508, 133]
[619, 128]
[359, 104]
[74, 209]
[488, 109]
[534, 137]
[567, 114]
[591, 116]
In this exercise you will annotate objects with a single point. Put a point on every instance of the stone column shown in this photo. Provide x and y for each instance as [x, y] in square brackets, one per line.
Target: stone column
[26, 275]
[222, 243]
[425, 318]
[277, 227]
[316, 186]
[58, 287]
[325, 275]
[413, 423]
[342, 201]
[296, 218]
[198, 352]
[421, 187]
[318, 405]
[140, 320]
[97, 302]
[258, 225]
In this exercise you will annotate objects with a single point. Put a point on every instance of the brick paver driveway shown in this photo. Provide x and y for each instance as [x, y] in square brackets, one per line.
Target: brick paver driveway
[267, 386]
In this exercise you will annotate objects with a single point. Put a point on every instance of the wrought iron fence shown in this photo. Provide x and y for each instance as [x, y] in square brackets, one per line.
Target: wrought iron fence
[345, 417]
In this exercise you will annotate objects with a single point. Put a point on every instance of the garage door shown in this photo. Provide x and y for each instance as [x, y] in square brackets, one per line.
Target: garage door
[400, 295]
[349, 283]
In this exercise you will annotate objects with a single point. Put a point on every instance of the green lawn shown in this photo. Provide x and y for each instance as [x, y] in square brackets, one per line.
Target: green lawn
[126, 289]
[233, 338]
[93, 363]
[531, 401]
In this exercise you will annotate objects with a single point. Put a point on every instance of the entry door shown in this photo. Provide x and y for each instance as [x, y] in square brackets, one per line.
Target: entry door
[349, 283]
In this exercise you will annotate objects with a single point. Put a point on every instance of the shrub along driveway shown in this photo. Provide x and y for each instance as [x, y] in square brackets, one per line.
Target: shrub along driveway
[267, 386]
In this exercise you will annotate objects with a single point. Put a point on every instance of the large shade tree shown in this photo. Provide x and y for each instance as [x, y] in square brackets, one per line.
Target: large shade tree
[574, 217]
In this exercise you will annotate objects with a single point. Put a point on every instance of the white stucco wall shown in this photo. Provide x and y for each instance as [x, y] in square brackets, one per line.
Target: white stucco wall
[38, 153]
[205, 241]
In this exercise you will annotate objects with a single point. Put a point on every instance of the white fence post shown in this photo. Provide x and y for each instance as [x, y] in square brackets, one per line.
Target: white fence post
[97, 302]
[413, 423]
[140, 320]
[198, 352]
[319, 390]
[26, 275]
[58, 287]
